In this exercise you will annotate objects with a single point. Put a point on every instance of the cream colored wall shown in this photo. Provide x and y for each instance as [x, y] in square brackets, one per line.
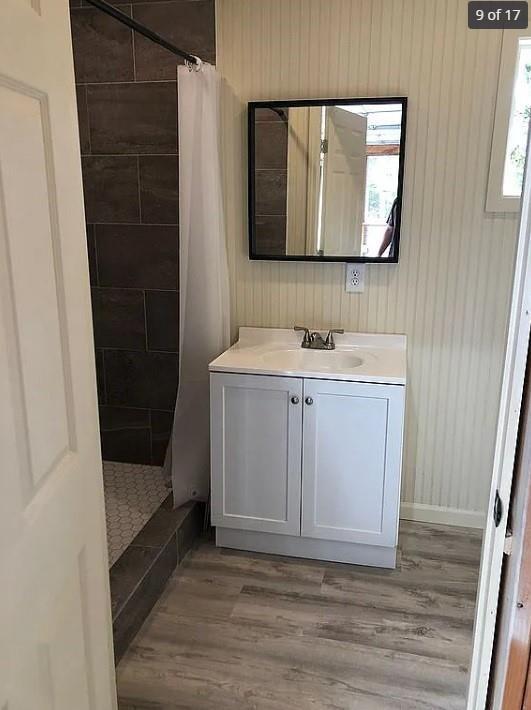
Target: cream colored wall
[450, 291]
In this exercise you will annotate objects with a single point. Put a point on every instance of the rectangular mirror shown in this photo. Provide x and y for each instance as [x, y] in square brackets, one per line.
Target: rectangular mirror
[325, 179]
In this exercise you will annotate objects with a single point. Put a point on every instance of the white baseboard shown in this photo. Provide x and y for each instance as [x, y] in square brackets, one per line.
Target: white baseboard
[442, 516]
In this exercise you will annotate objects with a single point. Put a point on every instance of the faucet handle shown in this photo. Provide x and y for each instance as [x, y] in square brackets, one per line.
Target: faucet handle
[306, 340]
[329, 342]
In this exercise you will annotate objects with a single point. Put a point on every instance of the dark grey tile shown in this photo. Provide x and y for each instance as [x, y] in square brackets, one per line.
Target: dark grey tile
[138, 379]
[159, 189]
[127, 572]
[162, 320]
[126, 445]
[119, 320]
[189, 24]
[91, 248]
[167, 503]
[161, 427]
[270, 192]
[162, 524]
[116, 418]
[133, 118]
[142, 598]
[125, 434]
[190, 529]
[138, 256]
[82, 117]
[269, 114]
[270, 234]
[100, 377]
[110, 185]
[271, 145]
[103, 47]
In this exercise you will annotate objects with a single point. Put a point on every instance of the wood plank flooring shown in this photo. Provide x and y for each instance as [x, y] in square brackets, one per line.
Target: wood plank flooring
[239, 630]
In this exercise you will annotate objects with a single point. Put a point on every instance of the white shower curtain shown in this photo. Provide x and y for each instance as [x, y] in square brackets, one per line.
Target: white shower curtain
[204, 281]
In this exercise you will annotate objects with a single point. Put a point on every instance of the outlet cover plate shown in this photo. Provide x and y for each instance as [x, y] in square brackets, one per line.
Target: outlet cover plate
[355, 279]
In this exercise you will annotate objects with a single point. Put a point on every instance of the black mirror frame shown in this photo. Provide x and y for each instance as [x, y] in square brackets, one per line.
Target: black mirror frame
[251, 111]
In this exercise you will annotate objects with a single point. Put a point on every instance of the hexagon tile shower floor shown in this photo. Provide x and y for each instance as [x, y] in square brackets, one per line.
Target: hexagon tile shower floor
[133, 492]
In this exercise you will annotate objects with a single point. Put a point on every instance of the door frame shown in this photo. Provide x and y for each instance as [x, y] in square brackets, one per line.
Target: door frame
[512, 650]
[504, 456]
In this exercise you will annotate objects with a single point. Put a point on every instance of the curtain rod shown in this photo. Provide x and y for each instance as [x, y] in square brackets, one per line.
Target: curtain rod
[142, 29]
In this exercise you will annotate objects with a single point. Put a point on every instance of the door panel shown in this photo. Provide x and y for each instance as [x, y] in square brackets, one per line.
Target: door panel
[256, 452]
[351, 461]
[55, 640]
[24, 145]
[345, 170]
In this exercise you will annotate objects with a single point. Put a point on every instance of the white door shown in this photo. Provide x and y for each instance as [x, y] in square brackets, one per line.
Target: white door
[55, 638]
[345, 168]
[351, 461]
[256, 430]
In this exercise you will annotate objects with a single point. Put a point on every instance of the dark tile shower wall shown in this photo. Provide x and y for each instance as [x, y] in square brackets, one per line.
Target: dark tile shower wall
[127, 104]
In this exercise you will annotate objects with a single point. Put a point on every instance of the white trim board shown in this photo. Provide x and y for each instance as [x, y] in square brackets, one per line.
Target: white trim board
[504, 455]
[442, 516]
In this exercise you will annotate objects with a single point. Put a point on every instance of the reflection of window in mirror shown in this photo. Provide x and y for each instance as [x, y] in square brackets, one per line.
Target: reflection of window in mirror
[511, 124]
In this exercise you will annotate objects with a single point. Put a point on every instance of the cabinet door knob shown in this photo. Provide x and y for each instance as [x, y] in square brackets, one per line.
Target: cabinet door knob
[294, 399]
[308, 400]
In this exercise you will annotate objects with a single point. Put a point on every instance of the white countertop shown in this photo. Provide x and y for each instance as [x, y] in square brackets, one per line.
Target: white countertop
[358, 357]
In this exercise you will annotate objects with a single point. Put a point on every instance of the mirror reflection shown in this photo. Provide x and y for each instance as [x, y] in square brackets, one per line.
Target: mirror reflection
[326, 178]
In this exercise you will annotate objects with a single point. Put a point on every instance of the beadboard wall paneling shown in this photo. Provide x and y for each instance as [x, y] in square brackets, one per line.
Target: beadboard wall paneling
[450, 291]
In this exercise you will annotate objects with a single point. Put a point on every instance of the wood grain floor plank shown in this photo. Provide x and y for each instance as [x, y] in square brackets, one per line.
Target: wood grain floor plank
[238, 630]
[301, 672]
[451, 544]
[266, 570]
[394, 593]
[438, 637]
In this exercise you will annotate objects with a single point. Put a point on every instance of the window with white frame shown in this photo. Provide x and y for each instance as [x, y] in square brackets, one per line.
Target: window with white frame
[511, 124]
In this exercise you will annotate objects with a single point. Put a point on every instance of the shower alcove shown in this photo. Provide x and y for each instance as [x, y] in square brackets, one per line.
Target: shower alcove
[127, 109]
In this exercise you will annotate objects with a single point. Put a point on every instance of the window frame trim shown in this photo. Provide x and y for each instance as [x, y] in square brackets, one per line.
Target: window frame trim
[496, 201]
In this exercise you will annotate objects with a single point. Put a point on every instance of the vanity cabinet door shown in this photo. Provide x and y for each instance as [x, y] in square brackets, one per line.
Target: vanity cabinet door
[351, 461]
[256, 434]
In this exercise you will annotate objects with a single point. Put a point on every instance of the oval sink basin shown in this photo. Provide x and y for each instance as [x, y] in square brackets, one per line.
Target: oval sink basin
[301, 359]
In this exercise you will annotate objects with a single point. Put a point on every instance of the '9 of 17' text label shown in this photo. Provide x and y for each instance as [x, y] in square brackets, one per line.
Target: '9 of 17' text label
[492, 15]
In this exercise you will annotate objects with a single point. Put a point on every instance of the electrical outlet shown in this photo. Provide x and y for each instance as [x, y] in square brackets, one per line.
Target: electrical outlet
[355, 280]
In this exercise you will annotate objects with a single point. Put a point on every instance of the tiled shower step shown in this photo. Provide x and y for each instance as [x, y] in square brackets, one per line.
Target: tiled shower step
[141, 572]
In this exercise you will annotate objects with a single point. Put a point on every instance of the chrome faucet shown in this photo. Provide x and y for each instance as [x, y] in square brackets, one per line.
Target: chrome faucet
[314, 340]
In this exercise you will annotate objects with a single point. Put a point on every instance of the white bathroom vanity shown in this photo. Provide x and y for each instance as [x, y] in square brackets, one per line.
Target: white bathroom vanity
[307, 446]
